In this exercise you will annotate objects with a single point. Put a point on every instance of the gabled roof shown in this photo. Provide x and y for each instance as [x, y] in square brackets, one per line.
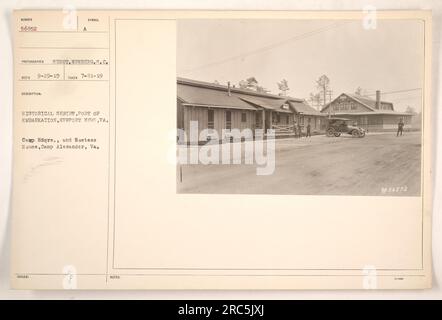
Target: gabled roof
[266, 103]
[367, 102]
[196, 95]
[304, 108]
[201, 93]
[219, 87]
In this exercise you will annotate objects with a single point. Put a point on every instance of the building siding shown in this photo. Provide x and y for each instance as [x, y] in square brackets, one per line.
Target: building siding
[200, 114]
[346, 107]
[195, 99]
[345, 104]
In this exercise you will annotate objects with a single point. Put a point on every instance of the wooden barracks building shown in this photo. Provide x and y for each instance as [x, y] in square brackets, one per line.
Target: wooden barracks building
[220, 107]
[370, 114]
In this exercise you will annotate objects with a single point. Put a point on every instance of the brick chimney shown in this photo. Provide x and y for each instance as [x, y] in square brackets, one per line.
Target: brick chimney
[228, 88]
[378, 99]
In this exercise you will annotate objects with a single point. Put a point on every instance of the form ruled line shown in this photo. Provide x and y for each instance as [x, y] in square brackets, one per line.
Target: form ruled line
[98, 48]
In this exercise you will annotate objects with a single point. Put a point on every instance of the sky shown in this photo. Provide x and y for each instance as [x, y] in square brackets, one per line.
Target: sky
[388, 58]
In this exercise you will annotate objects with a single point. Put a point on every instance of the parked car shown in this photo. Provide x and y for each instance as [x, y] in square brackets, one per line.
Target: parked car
[337, 126]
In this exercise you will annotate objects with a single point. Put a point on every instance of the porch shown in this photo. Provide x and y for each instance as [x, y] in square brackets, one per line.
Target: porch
[283, 123]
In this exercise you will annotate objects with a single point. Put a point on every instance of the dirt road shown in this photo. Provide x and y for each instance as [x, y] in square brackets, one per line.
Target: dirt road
[379, 164]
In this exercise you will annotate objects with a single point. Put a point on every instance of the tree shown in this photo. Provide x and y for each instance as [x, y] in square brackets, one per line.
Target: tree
[252, 84]
[323, 95]
[242, 84]
[262, 89]
[360, 91]
[323, 85]
[283, 86]
[410, 110]
[315, 100]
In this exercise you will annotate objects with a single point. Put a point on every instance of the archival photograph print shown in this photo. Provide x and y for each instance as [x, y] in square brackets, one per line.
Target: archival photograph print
[300, 107]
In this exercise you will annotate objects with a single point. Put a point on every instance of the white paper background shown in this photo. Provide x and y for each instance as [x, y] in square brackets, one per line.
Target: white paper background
[6, 7]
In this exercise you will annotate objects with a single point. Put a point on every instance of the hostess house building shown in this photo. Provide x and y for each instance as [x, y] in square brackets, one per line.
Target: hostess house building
[370, 114]
[219, 107]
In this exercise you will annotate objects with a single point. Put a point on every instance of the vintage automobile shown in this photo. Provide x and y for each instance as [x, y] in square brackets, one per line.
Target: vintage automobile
[336, 126]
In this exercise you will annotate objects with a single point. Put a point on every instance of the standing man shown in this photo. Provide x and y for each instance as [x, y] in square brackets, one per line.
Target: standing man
[299, 130]
[308, 134]
[400, 127]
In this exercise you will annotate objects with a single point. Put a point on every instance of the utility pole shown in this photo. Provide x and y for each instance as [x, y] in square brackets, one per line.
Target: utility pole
[323, 85]
[324, 91]
[329, 92]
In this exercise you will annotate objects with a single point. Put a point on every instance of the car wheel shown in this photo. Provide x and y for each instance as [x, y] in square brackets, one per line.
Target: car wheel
[330, 132]
[355, 133]
[362, 134]
[337, 134]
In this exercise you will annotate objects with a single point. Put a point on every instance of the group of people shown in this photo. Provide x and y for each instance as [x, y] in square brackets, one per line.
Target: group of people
[299, 133]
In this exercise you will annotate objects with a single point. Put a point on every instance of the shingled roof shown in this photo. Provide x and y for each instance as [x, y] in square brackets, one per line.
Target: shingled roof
[207, 97]
[215, 95]
[264, 102]
[220, 87]
[304, 108]
[369, 103]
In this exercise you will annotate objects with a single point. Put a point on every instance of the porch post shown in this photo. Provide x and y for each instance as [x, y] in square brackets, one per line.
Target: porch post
[294, 122]
[271, 119]
[264, 120]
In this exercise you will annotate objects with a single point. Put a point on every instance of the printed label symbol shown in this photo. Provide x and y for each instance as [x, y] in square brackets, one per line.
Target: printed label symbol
[370, 17]
[70, 18]
[370, 278]
[70, 277]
